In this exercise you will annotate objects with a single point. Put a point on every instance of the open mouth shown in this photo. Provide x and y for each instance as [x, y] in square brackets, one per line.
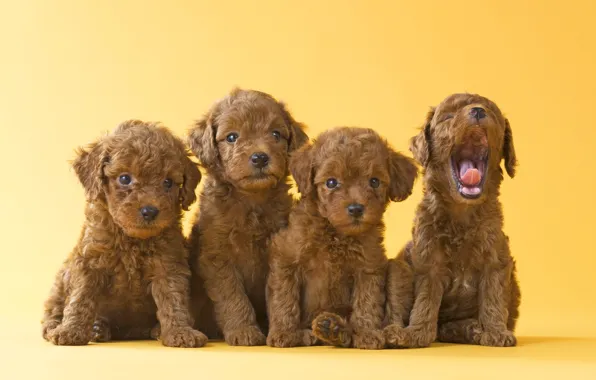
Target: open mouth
[469, 165]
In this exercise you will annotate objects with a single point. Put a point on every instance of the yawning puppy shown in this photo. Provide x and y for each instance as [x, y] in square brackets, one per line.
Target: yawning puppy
[328, 266]
[465, 284]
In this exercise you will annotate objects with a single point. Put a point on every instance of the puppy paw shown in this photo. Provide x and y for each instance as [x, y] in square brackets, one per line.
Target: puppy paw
[400, 337]
[245, 336]
[284, 339]
[101, 331]
[69, 336]
[332, 329]
[497, 339]
[47, 327]
[185, 337]
[369, 339]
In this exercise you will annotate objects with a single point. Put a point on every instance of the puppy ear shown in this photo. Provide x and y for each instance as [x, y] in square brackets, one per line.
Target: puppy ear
[201, 140]
[509, 151]
[192, 177]
[403, 173]
[298, 136]
[420, 145]
[88, 165]
[301, 167]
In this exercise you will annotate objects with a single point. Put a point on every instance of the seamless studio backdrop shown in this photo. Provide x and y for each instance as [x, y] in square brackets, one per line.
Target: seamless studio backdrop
[71, 70]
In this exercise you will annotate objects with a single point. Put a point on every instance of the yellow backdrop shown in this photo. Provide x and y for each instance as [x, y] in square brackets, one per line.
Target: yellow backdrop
[70, 70]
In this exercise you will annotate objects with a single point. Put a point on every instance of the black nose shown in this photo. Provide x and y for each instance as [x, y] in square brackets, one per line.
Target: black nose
[259, 159]
[356, 210]
[149, 212]
[478, 113]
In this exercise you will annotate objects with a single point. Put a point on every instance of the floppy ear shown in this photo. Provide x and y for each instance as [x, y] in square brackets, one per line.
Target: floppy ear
[420, 145]
[201, 140]
[298, 136]
[509, 151]
[301, 167]
[192, 177]
[88, 165]
[403, 173]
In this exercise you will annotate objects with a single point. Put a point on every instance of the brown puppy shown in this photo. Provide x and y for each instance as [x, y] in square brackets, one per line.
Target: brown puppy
[328, 267]
[243, 143]
[465, 284]
[129, 269]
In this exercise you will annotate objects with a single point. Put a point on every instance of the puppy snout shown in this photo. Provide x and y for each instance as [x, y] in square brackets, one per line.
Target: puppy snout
[478, 113]
[356, 210]
[259, 159]
[149, 212]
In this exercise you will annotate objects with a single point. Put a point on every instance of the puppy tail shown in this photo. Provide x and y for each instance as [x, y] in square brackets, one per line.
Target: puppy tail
[332, 329]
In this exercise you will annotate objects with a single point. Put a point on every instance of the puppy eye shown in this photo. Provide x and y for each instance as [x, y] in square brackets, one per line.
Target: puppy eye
[232, 137]
[125, 179]
[168, 183]
[331, 183]
[446, 117]
[374, 183]
[277, 135]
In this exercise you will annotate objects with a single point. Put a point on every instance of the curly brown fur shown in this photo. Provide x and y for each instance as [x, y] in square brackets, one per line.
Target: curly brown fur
[244, 144]
[466, 289]
[328, 267]
[129, 270]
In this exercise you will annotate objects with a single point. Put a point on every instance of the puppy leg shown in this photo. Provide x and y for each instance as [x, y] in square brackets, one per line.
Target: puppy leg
[400, 292]
[367, 315]
[171, 291]
[101, 330]
[77, 325]
[333, 330]
[465, 331]
[54, 306]
[422, 330]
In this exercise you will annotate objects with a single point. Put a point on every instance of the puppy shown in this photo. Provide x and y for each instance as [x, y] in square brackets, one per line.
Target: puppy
[243, 143]
[328, 266]
[129, 270]
[465, 283]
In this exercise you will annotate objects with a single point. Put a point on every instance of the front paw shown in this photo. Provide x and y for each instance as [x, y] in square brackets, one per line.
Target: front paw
[245, 336]
[47, 327]
[397, 336]
[369, 339]
[497, 339]
[332, 329]
[101, 331]
[69, 336]
[284, 339]
[185, 337]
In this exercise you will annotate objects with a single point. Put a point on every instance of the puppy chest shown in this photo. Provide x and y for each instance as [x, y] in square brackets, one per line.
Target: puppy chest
[129, 283]
[327, 286]
[460, 299]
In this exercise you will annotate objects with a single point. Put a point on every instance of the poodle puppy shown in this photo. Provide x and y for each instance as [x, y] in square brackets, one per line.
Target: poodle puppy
[243, 143]
[466, 289]
[327, 278]
[129, 270]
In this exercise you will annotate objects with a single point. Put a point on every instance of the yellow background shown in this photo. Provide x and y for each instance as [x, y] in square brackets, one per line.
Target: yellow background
[70, 70]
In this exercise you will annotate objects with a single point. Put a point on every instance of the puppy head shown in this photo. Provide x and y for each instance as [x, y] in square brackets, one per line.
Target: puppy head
[461, 145]
[144, 175]
[245, 140]
[352, 174]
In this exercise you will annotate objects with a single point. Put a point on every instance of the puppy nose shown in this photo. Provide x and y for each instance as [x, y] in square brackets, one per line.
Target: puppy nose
[356, 210]
[259, 159]
[478, 113]
[149, 212]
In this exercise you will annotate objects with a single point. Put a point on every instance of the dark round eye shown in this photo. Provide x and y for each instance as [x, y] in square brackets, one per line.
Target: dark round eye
[168, 183]
[374, 183]
[232, 137]
[277, 135]
[331, 183]
[124, 179]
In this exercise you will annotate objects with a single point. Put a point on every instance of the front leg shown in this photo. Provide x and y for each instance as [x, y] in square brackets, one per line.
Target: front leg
[171, 292]
[367, 314]
[76, 328]
[495, 286]
[234, 312]
[422, 330]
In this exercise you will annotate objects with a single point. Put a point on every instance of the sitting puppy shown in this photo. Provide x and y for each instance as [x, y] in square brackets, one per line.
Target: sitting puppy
[465, 284]
[243, 143]
[129, 270]
[328, 267]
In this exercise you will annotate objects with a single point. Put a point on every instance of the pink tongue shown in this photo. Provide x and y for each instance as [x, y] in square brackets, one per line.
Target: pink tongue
[468, 174]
